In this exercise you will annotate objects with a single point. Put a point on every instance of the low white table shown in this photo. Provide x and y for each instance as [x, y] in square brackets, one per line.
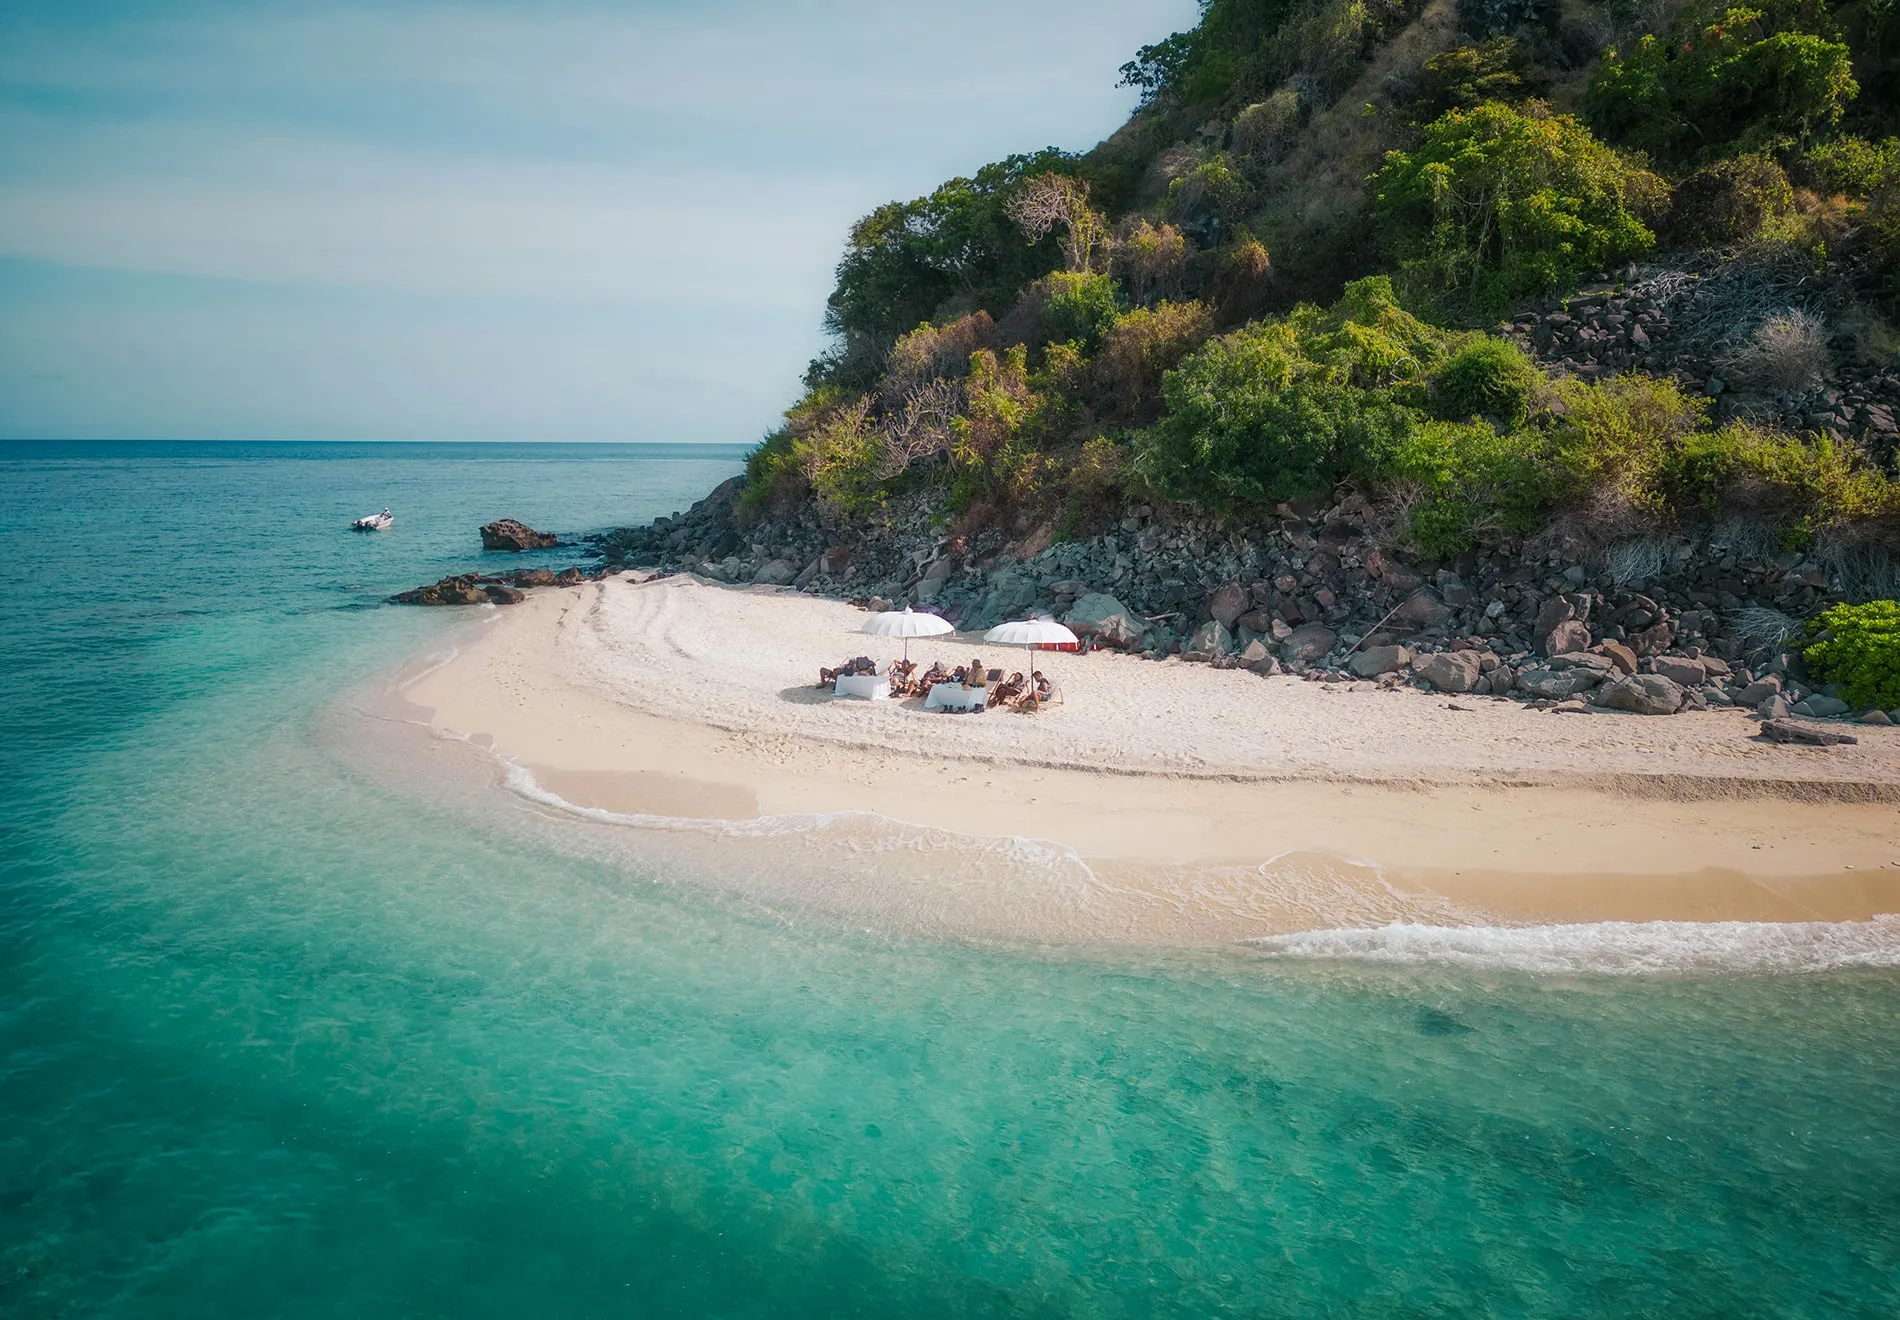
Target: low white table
[872, 687]
[949, 696]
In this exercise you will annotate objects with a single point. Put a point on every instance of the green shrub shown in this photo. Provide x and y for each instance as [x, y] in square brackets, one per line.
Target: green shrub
[841, 457]
[1139, 347]
[1617, 434]
[1081, 306]
[1724, 79]
[1287, 408]
[1497, 204]
[1468, 76]
[1729, 202]
[1855, 166]
[1487, 378]
[770, 470]
[1463, 482]
[1859, 648]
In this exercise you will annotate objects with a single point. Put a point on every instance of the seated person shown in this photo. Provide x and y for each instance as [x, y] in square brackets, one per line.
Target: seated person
[1008, 690]
[976, 675]
[934, 675]
[1044, 689]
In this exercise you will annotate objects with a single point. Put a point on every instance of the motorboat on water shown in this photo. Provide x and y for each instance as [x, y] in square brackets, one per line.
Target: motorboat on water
[376, 522]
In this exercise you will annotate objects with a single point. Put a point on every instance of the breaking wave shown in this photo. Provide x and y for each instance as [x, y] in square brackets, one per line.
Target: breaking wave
[1612, 948]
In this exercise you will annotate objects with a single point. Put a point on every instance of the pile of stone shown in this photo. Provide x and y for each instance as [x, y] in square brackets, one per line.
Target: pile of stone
[1657, 624]
[1687, 324]
[489, 589]
[507, 534]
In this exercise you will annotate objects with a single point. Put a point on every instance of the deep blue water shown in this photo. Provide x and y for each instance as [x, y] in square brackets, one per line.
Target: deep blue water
[275, 1040]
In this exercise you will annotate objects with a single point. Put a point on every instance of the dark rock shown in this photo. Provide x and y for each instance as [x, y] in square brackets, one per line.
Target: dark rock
[1641, 694]
[1376, 660]
[508, 534]
[1812, 735]
[1450, 671]
[1307, 643]
[1105, 619]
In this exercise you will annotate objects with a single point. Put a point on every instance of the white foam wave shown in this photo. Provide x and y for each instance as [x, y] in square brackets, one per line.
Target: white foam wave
[1614, 948]
[431, 663]
[882, 833]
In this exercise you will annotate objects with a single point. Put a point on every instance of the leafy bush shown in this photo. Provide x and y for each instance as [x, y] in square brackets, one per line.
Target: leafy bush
[1287, 408]
[841, 457]
[1212, 194]
[906, 260]
[1643, 440]
[1080, 307]
[1498, 204]
[1150, 259]
[1615, 435]
[1856, 166]
[1265, 125]
[770, 470]
[1243, 280]
[1726, 78]
[1729, 202]
[932, 352]
[1487, 378]
[1139, 347]
[1467, 76]
[1460, 482]
[1859, 648]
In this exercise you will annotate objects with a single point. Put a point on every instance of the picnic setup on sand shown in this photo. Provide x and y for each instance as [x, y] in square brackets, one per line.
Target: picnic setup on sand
[969, 687]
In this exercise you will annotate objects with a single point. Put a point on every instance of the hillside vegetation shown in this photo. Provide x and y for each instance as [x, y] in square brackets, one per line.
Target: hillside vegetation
[1493, 267]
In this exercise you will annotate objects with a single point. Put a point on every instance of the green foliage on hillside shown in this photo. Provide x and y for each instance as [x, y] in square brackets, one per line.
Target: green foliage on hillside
[1265, 285]
[1498, 203]
[1859, 647]
[1724, 79]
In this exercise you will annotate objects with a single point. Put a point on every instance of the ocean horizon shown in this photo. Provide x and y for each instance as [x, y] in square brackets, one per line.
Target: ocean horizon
[287, 1029]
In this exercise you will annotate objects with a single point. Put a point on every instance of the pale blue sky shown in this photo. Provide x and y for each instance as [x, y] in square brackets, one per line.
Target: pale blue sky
[557, 221]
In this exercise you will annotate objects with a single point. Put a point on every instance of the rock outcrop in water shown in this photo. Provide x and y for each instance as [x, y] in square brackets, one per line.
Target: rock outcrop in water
[486, 589]
[507, 534]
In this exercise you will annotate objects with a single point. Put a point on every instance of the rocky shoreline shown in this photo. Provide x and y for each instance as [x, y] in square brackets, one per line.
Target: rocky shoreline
[1655, 624]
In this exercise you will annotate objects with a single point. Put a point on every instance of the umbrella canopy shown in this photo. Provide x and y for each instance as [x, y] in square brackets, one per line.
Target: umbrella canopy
[906, 623]
[1031, 632]
[1026, 633]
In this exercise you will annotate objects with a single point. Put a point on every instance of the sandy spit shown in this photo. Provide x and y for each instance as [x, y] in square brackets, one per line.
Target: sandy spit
[681, 698]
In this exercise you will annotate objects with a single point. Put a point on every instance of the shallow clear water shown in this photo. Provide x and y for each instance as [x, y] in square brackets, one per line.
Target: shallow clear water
[275, 1040]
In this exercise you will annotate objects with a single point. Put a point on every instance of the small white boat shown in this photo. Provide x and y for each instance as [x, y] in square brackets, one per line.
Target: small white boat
[376, 522]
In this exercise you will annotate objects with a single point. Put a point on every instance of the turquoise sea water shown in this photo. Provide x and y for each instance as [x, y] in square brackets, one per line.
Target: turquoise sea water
[275, 1040]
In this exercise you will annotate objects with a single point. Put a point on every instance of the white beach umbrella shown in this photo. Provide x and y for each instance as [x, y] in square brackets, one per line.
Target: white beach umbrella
[906, 623]
[1030, 633]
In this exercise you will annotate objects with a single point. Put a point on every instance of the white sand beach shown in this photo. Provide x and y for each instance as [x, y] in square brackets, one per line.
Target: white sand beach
[679, 698]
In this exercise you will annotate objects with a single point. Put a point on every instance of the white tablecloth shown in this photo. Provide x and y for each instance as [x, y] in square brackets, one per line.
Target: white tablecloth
[949, 696]
[872, 686]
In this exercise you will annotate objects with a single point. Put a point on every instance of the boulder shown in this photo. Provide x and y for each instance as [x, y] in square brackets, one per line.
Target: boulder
[1792, 731]
[1423, 610]
[1818, 707]
[776, 573]
[1106, 619]
[1682, 670]
[1641, 694]
[507, 534]
[463, 589]
[1557, 684]
[1768, 685]
[1376, 660]
[1876, 717]
[1255, 653]
[1653, 640]
[1619, 655]
[1566, 637]
[1307, 644]
[1450, 671]
[1773, 708]
[1556, 610]
[1257, 621]
[1228, 604]
[1211, 638]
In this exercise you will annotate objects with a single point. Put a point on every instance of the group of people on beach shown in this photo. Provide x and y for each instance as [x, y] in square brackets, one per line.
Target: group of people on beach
[1015, 690]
